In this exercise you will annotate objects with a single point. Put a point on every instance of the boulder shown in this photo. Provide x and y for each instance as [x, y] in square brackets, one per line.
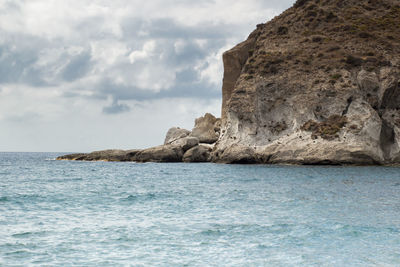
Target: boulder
[186, 143]
[163, 153]
[75, 156]
[200, 153]
[237, 154]
[206, 129]
[103, 155]
[174, 134]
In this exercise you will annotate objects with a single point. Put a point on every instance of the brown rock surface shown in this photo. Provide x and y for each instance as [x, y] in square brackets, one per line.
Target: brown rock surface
[200, 153]
[332, 64]
[164, 153]
[186, 143]
[206, 129]
[174, 134]
[103, 155]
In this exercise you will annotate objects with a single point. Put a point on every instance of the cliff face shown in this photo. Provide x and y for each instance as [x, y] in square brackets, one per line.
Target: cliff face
[319, 84]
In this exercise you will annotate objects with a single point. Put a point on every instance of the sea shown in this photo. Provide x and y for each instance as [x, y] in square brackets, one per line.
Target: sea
[69, 213]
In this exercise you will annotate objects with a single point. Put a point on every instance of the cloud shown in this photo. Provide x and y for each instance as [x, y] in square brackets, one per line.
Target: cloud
[146, 52]
[107, 58]
[77, 67]
[18, 65]
[116, 108]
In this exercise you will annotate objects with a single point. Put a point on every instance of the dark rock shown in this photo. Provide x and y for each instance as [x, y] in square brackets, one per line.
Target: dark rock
[199, 153]
[186, 143]
[164, 153]
[71, 156]
[103, 155]
[237, 154]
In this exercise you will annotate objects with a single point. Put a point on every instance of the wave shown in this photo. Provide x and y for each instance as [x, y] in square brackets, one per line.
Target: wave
[141, 197]
[24, 234]
[28, 234]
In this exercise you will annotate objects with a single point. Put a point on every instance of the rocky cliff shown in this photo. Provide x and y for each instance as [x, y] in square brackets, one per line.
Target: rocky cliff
[318, 84]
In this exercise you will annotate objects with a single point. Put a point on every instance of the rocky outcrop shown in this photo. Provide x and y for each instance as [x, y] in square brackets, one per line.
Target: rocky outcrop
[164, 153]
[237, 154]
[200, 153]
[104, 155]
[174, 134]
[179, 145]
[206, 129]
[312, 86]
[186, 143]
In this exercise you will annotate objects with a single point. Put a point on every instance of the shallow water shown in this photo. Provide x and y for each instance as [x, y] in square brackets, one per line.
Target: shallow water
[58, 213]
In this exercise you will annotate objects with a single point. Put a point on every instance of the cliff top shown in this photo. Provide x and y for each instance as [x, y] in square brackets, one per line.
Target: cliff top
[328, 34]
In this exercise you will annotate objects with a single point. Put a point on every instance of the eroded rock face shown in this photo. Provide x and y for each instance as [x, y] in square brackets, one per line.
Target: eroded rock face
[234, 61]
[186, 143]
[200, 153]
[174, 134]
[206, 129]
[164, 153]
[238, 154]
[310, 87]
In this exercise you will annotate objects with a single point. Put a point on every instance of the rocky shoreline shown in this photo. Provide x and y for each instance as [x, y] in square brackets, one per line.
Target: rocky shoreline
[319, 84]
[180, 145]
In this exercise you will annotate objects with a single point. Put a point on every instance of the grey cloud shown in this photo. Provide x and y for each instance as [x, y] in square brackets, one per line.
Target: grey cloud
[192, 52]
[187, 85]
[277, 4]
[168, 28]
[20, 54]
[116, 108]
[78, 66]
[23, 118]
[10, 6]
[189, 3]
[17, 66]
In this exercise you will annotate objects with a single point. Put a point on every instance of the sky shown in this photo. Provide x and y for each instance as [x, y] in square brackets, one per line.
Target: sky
[85, 75]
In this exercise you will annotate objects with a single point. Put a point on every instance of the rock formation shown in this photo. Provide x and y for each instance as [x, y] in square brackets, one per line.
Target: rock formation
[179, 145]
[200, 153]
[206, 129]
[174, 134]
[104, 155]
[319, 84]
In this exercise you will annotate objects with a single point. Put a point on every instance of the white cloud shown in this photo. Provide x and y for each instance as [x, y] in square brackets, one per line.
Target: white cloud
[212, 67]
[146, 52]
[63, 64]
[108, 52]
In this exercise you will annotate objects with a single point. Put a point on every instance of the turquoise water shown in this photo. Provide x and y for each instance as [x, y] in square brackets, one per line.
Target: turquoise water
[59, 213]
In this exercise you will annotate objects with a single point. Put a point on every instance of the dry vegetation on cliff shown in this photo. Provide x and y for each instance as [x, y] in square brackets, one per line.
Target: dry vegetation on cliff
[323, 68]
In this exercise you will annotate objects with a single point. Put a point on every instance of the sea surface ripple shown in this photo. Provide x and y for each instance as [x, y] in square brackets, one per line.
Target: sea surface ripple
[63, 213]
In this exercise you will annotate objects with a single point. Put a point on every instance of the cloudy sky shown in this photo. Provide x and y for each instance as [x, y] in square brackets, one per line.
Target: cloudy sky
[83, 75]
